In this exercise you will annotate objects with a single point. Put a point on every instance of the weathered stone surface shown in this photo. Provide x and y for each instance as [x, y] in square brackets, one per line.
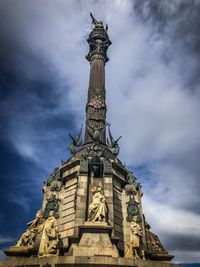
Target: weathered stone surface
[68, 218]
[70, 171]
[69, 192]
[126, 226]
[107, 180]
[92, 244]
[108, 193]
[68, 205]
[67, 233]
[67, 226]
[82, 179]
[118, 175]
[68, 212]
[118, 215]
[109, 200]
[72, 183]
[107, 167]
[83, 166]
[117, 195]
[83, 261]
[68, 199]
[118, 208]
[118, 234]
[118, 228]
[82, 191]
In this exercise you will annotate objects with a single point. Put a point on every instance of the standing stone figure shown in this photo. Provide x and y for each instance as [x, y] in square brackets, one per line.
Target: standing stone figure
[49, 238]
[134, 247]
[98, 208]
[28, 237]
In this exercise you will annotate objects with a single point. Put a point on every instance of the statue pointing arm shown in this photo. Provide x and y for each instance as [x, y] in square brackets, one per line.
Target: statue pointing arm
[98, 24]
[94, 21]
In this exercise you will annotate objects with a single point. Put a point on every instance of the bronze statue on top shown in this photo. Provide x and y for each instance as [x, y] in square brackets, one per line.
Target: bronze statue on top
[98, 24]
[98, 40]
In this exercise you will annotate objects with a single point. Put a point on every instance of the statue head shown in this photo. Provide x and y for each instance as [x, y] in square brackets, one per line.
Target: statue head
[99, 25]
[135, 218]
[51, 213]
[94, 188]
[39, 213]
[100, 188]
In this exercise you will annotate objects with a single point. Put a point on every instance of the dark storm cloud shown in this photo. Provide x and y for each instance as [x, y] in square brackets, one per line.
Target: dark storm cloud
[162, 115]
[183, 242]
[33, 127]
[15, 54]
[179, 24]
[20, 194]
[31, 89]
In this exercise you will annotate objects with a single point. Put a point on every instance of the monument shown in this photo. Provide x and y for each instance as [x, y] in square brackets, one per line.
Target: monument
[91, 212]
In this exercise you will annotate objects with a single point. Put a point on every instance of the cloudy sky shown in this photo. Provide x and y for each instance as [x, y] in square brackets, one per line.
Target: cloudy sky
[153, 98]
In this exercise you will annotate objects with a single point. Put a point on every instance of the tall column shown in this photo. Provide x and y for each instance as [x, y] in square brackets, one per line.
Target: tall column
[96, 107]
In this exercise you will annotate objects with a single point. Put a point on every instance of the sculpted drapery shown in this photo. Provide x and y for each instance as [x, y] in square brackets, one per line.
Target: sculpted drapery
[134, 246]
[98, 208]
[49, 237]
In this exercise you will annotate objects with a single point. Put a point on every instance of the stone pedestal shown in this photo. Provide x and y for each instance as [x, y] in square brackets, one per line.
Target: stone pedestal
[95, 240]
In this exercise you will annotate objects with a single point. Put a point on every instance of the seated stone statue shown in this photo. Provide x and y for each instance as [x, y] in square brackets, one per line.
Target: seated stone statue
[49, 237]
[98, 207]
[27, 238]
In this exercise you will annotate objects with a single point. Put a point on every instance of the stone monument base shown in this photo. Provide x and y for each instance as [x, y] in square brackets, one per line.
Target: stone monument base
[94, 240]
[82, 261]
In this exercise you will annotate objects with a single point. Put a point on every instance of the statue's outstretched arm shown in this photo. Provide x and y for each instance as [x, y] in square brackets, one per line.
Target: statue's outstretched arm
[94, 21]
